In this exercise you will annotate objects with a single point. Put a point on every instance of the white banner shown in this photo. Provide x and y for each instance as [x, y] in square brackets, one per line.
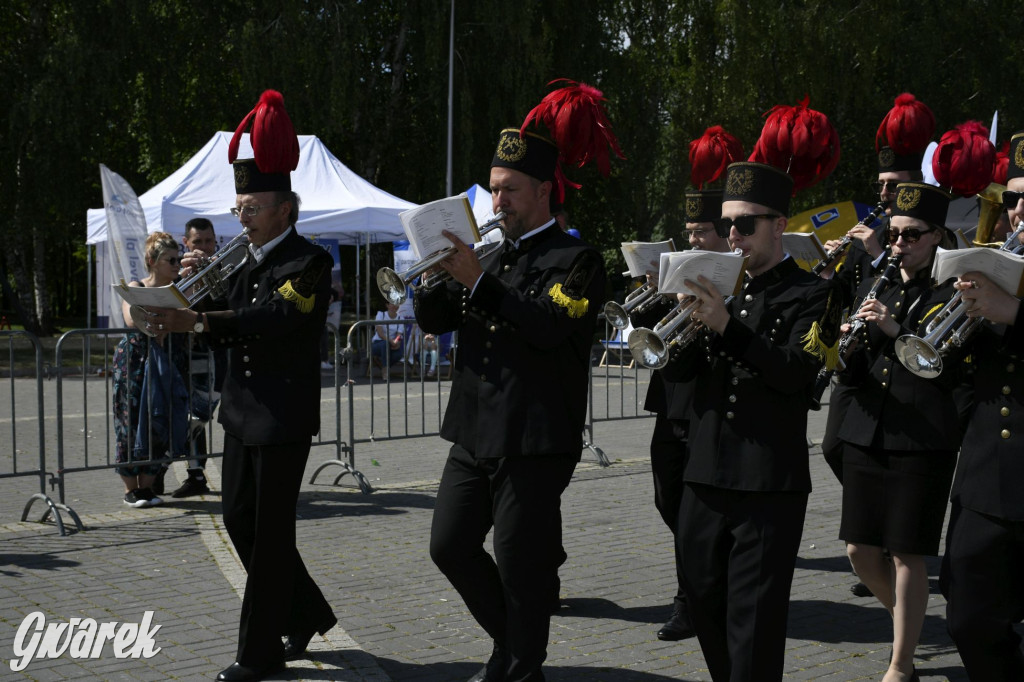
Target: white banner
[126, 223]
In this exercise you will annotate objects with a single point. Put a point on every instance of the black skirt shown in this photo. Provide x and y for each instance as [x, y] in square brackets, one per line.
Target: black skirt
[895, 498]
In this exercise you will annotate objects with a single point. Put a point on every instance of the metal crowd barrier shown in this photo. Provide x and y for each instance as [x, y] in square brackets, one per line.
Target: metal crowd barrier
[12, 464]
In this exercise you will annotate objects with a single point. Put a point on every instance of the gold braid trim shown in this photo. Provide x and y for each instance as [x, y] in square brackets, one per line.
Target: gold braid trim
[303, 303]
[575, 308]
[814, 345]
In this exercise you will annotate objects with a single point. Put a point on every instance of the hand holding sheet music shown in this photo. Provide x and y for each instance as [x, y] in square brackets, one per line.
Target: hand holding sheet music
[724, 270]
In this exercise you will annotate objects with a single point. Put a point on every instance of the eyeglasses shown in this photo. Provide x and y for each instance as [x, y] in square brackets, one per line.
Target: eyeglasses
[697, 231]
[251, 210]
[1010, 199]
[910, 235]
[745, 224]
[889, 185]
[173, 260]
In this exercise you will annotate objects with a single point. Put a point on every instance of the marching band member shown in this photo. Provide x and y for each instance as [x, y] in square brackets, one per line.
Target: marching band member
[899, 431]
[669, 400]
[526, 315]
[748, 477]
[900, 141]
[982, 576]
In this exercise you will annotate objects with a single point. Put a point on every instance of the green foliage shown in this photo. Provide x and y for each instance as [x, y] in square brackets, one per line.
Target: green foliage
[140, 85]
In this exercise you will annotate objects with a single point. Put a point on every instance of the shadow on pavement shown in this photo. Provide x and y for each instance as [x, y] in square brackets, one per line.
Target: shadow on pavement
[596, 607]
[319, 504]
[460, 672]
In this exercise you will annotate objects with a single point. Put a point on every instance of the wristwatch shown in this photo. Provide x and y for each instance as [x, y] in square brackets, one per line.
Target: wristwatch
[199, 327]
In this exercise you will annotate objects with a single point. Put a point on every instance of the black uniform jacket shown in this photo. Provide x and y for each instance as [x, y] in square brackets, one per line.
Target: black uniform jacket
[891, 408]
[271, 393]
[523, 358]
[990, 473]
[667, 399]
[753, 382]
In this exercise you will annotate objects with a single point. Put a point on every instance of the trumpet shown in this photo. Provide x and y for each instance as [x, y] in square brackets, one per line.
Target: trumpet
[209, 280]
[950, 328]
[845, 242]
[393, 285]
[617, 314]
[848, 341]
[652, 347]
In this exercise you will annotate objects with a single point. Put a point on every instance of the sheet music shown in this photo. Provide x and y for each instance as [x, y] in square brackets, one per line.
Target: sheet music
[1002, 267]
[725, 270]
[158, 297]
[423, 224]
[644, 257]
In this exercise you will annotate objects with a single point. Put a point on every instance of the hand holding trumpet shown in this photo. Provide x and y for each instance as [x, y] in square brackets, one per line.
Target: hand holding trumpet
[984, 298]
[462, 264]
[711, 312]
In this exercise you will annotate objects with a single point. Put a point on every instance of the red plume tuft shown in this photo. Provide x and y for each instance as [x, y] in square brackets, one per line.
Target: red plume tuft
[1002, 164]
[711, 153]
[579, 127]
[799, 141]
[274, 143]
[907, 128]
[965, 160]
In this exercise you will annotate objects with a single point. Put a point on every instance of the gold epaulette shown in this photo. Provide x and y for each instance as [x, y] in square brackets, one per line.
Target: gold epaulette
[303, 303]
[575, 307]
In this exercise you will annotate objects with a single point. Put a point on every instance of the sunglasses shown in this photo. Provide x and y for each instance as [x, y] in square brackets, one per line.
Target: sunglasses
[910, 235]
[880, 185]
[173, 260]
[745, 224]
[1010, 199]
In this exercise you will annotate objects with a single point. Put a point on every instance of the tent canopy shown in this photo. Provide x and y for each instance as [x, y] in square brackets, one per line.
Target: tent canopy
[336, 202]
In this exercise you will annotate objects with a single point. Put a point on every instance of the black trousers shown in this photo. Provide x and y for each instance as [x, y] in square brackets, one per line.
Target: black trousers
[509, 594]
[738, 552]
[261, 488]
[668, 462]
[983, 579]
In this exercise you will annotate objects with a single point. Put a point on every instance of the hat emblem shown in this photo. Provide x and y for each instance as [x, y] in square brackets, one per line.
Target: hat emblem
[241, 175]
[511, 148]
[740, 181]
[886, 157]
[908, 198]
[1018, 154]
[693, 207]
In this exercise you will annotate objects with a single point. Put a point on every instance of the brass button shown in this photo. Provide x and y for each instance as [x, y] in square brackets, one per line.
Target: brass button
[898, 304]
[1010, 367]
[1006, 390]
[1005, 434]
[734, 381]
[885, 371]
[885, 385]
[730, 415]
[1004, 411]
[483, 377]
[254, 299]
[487, 361]
[255, 286]
[248, 373]
[493, 328]
[245, 358]
[508, 268]
[743, 314]
[748, 298]
[732, 398]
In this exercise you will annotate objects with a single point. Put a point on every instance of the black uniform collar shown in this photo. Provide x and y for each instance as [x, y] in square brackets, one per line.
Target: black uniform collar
[780, 272]
[539, 236]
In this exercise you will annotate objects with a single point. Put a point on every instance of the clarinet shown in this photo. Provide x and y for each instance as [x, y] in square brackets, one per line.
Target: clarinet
[847, 342]
[845, 242]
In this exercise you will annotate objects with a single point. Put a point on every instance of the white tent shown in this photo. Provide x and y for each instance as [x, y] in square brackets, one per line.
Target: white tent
[336, 202]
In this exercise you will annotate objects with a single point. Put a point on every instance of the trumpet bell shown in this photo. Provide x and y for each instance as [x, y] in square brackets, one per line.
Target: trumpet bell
[648, 348]
[919, 356]
[392, 286]
[616, 314]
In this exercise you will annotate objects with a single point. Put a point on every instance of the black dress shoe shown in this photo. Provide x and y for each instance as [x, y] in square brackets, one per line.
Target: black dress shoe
[236, 672]
[494, 671]
[295, 645]
[678, 627]
[861, 590]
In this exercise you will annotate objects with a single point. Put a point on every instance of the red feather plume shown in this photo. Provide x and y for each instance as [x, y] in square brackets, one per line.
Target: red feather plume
[274, 143]
[799, 141]
[576, 119]
[965, 160]
[710, 155]
[1002, 164]
[907, 128]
